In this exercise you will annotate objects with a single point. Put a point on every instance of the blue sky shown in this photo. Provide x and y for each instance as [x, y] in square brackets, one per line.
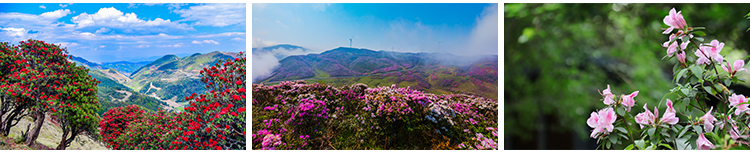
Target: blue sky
[467, 28]
[111, 32]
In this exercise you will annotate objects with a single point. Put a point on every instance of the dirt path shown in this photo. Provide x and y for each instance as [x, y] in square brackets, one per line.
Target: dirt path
[127, 95]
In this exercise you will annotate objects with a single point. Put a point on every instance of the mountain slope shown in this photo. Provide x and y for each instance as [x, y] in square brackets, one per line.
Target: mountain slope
[342, 62]
[439, 73]
[112, 93]
[170, 77]
[125, 67]
[86, 63]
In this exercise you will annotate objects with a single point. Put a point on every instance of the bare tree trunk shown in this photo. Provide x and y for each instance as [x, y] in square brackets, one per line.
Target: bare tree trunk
[63, 142]
[3, 106]
[37, 127]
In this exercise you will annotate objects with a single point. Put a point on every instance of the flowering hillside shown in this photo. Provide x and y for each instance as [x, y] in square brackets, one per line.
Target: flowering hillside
[297, 115]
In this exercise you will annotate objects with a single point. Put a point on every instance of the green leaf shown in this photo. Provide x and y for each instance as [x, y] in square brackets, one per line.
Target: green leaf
[680, 74]
[666, 145]
[680, 143]
[701, 33]
[623, 136]
[698, 129]
[696, 28]
[651, 131]
[699, 39]
[623, 130]
[613, 139]
[727, 82]
[608, 145]
[640, 144]
[685, 91]
[684, 130]
[629, 147]
[697, 71]
[709, 90]
[621, 111]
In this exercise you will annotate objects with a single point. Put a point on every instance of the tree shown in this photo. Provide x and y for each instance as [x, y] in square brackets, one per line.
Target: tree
[38, 79]
[79, 113]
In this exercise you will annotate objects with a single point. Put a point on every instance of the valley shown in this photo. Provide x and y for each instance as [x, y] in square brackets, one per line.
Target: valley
[154, 84]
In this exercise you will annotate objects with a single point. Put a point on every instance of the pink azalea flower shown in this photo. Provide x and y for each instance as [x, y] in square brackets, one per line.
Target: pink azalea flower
[702, 58]
[674, 20]
[742, 108]
[738, 64]
[602, 121]
[609, 98]
[712, 50]
[628, 100]
[681, 57]
[708, 120]
[672, 48]
[645, 117]
[735, 99]
[734, 133]
[666, 44]
[704, 143]
[669, 116]
[684, 45]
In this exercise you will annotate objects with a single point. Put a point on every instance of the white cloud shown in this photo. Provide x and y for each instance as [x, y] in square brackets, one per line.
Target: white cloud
[220, 34]
[15, 32]
[143, 46]
[126, 22]
[102, 30]
[214, 14]
[259, 43]
[42, 6]
[263, 65]
[63, 5]
[57, 14]
[484, 36]
[102, 46]
[238, 39]
[67, 44]
[205, 41]
[277, 21]
[87, 34]
[171, 45]
[25, 20]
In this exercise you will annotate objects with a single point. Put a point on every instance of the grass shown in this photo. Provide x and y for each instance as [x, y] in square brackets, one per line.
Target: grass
[49, 138]
[321, 74]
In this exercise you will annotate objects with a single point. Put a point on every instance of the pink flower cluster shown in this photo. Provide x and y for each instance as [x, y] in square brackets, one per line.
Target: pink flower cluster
[649, 118]
[602, 122]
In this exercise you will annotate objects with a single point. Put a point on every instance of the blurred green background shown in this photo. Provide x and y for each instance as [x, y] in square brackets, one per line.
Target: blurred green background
[558, 56]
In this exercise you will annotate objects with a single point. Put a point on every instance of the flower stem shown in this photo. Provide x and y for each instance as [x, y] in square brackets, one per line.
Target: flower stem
[629, 133]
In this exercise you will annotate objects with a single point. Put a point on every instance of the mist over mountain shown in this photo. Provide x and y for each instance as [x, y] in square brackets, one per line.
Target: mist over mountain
[434, 72]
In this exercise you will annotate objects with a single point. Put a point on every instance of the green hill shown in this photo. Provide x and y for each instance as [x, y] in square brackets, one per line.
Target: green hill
[112, 93]
[170, 78]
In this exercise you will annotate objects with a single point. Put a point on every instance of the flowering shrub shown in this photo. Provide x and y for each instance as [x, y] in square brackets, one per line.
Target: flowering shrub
[700, 124]
[38, 78]
[297, 115]
[213, 120]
